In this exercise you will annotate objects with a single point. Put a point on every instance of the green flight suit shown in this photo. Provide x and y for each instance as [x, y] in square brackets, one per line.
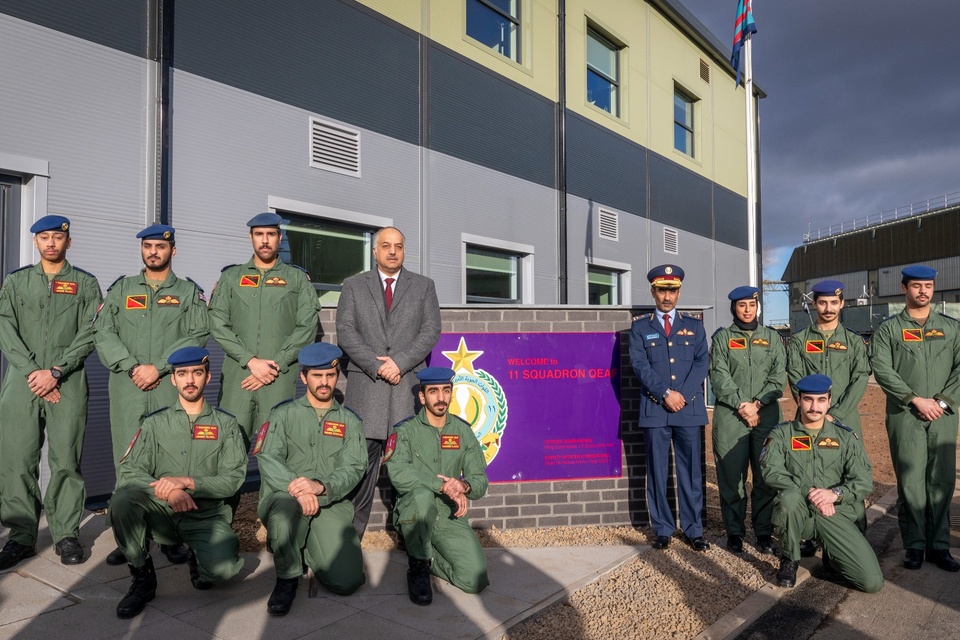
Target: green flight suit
[423, 514]
[44, 324]
[270, 315]
[293, 444]
[138, 325]
[744, 366]
[796, 459]
[842, 357]
[912, 361]
[210, 450]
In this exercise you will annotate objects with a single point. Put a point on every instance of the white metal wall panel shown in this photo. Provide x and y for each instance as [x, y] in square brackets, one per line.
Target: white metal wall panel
[948, 276]
[853, 284]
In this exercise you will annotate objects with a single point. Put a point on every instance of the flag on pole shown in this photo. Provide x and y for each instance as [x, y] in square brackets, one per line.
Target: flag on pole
[742, 29]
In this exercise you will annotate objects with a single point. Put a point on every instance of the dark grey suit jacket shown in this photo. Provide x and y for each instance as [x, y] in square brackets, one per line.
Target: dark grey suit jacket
[407, 334]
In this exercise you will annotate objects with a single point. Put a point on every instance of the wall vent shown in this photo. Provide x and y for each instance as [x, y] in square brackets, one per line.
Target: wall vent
[671, 241]
[334, 148]
[704, 71]
[609, 225]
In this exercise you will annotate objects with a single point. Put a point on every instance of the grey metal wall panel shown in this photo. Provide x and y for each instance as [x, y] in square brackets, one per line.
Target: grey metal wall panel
[606, 167]
[461, 197]
[730, 212]
[325, 57]
[680, 198]
[481, 117]
[731, 269]
[948, 276]
[119, 25]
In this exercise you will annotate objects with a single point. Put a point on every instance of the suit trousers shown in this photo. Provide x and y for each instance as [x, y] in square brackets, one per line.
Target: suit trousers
[362, 496]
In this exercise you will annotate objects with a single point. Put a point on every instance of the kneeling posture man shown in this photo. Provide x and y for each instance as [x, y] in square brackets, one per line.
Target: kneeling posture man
[436, 465]
[821, 471]
[157, 499]
[311, 454]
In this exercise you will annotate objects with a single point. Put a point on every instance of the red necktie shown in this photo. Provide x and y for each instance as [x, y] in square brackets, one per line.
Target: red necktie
[666, 323]
[388, 292]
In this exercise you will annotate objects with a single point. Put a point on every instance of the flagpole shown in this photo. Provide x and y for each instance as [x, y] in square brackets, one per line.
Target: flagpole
[751, 162]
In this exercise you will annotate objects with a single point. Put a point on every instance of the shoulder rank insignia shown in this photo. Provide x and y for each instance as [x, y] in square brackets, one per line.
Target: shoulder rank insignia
[800, 443]
[737, 344]
[760, 342]
[389, 447]
[250, 280]
[828, 443]
[62, 286]
[137, 302]
[913, 335]
[934, 334]
[168, 301]
[449, 441]
[335, 429]
[261, 437]
[836, 345]
[814, 346]
[204, 432]
[685, 332]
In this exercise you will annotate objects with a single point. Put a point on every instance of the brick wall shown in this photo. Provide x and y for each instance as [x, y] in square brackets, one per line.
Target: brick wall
[608, 501]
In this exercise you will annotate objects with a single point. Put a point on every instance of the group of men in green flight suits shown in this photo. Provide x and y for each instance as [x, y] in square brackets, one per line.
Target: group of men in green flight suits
[810, 475]
[179, 462]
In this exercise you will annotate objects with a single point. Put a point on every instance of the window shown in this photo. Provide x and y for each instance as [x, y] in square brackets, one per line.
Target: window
[496, 24]
[603, 73]
[329, 251]
[603, 286]
[492, 276]
[683, 122]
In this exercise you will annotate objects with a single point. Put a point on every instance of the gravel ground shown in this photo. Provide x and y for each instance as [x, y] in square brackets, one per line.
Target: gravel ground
[676, 593]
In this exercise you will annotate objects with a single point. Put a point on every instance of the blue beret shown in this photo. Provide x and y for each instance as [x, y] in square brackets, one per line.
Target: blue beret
[816, 383]
[158, 232]
[666, 275]
[50, 223]
[320, 355]
[828, 288]
[919, 272]
[188, 357]
[265, 220]
[435, 375]
[744, 293]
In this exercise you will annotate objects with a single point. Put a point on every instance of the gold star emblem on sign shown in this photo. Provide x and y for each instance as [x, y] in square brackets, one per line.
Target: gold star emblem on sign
[462, 358]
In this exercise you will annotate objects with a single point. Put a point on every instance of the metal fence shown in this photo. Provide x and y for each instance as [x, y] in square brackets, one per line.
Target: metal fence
[892, 215]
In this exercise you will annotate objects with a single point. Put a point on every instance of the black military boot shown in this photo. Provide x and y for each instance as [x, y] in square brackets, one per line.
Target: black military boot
[282, 597]
[418, 581]
[116, 558]
[142, 591]
[787, 575]
[69, 550]
[13, 552]
[198, 583]
[176, 553]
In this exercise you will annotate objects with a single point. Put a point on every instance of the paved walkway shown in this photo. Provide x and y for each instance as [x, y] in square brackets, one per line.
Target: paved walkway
[41, 598]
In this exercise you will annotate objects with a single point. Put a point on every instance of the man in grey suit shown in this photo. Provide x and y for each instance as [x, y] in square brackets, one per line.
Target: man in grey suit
[388, 320]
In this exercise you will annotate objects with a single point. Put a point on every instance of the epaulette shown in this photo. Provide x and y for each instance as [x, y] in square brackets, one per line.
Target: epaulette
[353, 412]
[719, 329]
[226, 412]
[152, 413]
[462, 420]
[948, 317]
[402, 421]
[845, 428]
[281, 403]
[190, 280]
[228, 266]
[782, 423]
[86, 272]
[296, 266]
[112, 284]
[29, 266]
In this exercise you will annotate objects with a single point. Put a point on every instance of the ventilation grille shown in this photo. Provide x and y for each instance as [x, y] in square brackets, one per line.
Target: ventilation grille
[704, 71]
[671, 241]
[334, 148]
[609, 225]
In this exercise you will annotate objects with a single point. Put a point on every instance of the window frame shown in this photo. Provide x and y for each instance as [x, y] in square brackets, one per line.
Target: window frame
[516, 20]
[601, 36]
[625, 281]
[691, 130]
[524, 254]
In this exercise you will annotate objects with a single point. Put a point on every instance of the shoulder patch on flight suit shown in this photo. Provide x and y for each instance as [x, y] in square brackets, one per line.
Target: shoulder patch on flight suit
[204, 432]
[836, 345]
[934, 334]
[250, 280]
[335, 429]
[389, 447]
[130, 448]
[800, 443]
[199, 289]
[261, 437]
[763, 449]
[449, 441]
[737, 344]
[913, 335]
[828, 443]
[305, 272]
[64, 287]
[814, 346]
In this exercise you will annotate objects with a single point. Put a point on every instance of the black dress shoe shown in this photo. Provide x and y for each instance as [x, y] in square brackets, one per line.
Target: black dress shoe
[735, 544]
[116, 558]
[13, 552]
[282, 597]
[70, 551]
[418, 581]
[699, 543]
[176, 553]
[808, 548]
[142, 590]
[913, 559]
[198, 583]
[943, 559]
[767, 545]
[827, 564]
[787, 575]
[661, 542]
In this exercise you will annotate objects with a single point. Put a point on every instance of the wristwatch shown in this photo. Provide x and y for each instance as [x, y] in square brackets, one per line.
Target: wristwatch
[839, 493]
[943, 405]
[56, 373]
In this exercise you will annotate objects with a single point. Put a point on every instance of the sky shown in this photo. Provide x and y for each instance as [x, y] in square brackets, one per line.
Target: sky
[862, 113]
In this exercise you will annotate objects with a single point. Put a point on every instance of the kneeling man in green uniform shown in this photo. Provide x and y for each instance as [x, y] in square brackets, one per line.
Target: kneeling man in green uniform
[180, 467]
[436, 465]
[821, 471]
[311, 454]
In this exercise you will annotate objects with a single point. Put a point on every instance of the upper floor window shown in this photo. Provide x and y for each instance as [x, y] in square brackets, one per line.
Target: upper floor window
[496, 23]
[603, 73]
[683, 122]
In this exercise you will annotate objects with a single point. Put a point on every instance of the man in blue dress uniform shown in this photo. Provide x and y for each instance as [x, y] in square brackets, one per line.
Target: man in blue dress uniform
[668, 351]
